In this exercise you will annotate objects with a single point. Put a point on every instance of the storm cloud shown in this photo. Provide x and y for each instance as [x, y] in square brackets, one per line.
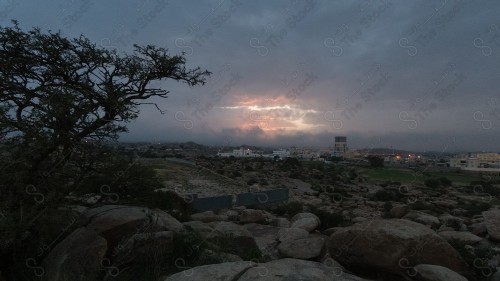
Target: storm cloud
[418, 75]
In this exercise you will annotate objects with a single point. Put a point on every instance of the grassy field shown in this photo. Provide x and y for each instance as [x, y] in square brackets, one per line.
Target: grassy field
[407, 176]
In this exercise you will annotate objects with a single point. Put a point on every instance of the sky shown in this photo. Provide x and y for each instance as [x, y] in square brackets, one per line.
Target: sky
[416, 75]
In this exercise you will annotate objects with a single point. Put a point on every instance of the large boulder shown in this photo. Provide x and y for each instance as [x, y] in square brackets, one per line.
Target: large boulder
[429, 272]
[286, 234]
[78, 256]
[228, 215]
[452, 221]
[392, 246]
[227, 271]
[462, 237]
[399, 211]
[203, 229]
[148, 247]
[266, 237]
[422, 218]
[208, 216]
[299, 216]
[235, 238]
[117, 224]
[251, 215]
[278, 270]
[280, 222]
[478, 229]
[302, 248]
[294, 269]
[308, 224]
[492, 222]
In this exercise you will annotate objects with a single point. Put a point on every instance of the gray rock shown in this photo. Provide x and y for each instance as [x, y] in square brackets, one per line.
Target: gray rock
[228, 271]
[266, 237]
[492, 222]
[452, 221]
[118, 223]
[236, 238]
[252, 216]
[302, 248]
[145, 247]
[429, 272]
[308, 224]
[287, 234]
[422, 218]
[478, 229]
[304, 215]
[78, 256]
[207, 216]
[392, 245]
[225, 257]
[90, 199]
[331, 230]
[359, 219]
[281, 222]
[199, 227]
[230, 215]
[496, 275]
[295, 270]
[461, 237]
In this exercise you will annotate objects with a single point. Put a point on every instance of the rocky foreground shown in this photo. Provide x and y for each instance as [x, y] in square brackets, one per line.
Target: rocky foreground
[257, 245]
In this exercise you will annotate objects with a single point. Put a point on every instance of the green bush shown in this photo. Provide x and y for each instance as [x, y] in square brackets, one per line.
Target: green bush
[477, 259]
[484, 188]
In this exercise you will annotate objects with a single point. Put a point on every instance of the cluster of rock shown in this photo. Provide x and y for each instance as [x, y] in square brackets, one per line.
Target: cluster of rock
[404, 248]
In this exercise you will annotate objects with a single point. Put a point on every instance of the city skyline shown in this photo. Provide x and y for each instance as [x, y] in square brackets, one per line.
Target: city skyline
[416, 76]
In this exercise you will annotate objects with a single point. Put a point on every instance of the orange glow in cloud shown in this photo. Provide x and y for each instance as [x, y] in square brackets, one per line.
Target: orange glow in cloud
[272, 115]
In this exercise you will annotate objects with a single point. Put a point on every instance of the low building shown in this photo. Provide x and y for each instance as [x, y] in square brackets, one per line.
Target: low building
[462, 162]
[239, 153]
[282, 153]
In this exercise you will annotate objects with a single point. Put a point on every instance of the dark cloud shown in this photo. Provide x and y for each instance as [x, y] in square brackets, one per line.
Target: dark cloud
[411, 74]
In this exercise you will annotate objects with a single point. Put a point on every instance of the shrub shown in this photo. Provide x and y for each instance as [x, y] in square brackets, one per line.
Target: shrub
[477, 259]
[484, 187]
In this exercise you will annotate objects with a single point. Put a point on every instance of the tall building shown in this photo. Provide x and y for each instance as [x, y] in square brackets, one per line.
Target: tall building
[340, 147]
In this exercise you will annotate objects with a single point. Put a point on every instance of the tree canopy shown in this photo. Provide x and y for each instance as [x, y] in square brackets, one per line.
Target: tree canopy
[56, 93]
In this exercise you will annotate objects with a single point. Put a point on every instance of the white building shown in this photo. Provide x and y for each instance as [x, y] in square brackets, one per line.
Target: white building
[282, 153]
[239, 153]
[489, 159]
[461, 162]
